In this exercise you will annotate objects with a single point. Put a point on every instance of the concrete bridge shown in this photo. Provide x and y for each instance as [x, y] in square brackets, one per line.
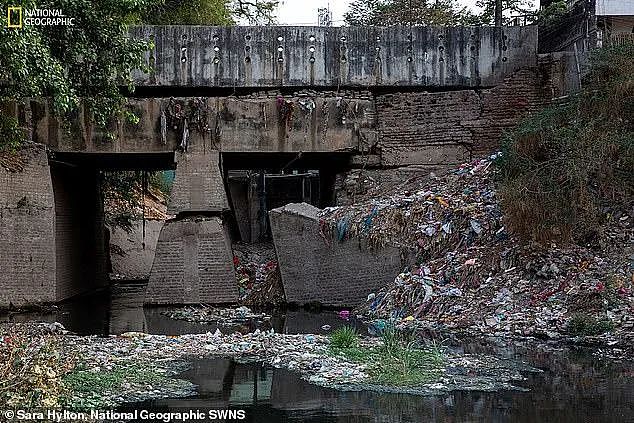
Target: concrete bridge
[224, 100]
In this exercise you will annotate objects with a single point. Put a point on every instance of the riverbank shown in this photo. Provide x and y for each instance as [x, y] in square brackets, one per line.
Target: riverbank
[92, 372]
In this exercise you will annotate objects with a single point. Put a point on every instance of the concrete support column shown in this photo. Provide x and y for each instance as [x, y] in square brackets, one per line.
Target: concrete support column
[193, 262]
[198, 186]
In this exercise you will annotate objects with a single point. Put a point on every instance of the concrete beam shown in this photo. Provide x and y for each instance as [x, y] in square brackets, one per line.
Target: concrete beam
[269, 56]
[270, 123]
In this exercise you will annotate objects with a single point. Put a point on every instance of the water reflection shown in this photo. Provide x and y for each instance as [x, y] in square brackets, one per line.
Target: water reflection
[121, 310]
[275, 395]
[574, 387]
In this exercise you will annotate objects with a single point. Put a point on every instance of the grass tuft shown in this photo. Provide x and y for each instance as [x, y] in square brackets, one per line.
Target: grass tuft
[585, 325]
[344, 337]
[398, 361]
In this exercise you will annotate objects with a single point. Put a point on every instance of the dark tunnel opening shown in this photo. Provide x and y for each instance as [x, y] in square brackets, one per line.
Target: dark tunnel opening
[257, 183]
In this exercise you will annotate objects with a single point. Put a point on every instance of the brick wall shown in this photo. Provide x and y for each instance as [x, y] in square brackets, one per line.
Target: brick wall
[450, 127]
[332, 273]
[27, 232]
[192, 264]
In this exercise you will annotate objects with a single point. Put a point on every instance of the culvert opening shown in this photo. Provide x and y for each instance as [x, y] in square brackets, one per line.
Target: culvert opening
[261, 183]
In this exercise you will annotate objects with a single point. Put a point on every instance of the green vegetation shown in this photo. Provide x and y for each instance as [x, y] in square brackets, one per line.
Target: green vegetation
[426, 13]
[123, 195]
[344, 337]
[30, 370]
[408, 12]
[210, 12]
[567, 169]
[87, 389]
[11, 135]
[585, 325]
[87, 61]
[191, 12]
[398, 361]
[510, 8]
[552, 12]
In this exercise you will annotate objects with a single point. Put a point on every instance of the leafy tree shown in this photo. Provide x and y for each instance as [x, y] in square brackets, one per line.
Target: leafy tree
[409, 12]
[190, 12]
[510, 9]
[211, 12]
[255, 12]
[90, 60]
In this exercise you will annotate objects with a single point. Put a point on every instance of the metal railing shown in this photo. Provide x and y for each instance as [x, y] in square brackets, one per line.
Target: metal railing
[621, 38]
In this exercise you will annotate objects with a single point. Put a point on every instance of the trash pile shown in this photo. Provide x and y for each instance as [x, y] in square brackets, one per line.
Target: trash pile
[124, 360]
[437, 214]
[537, 299]
[223, 316]
[470, 274]
[258, 275]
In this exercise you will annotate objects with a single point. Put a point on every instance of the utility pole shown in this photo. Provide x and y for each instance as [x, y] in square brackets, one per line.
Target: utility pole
[498, 12]
[324, 17]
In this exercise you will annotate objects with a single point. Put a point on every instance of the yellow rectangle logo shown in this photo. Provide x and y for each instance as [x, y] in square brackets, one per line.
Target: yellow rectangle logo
[16, 14]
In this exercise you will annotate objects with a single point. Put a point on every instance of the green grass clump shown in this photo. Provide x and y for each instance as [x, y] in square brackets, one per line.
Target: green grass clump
[89, 389]
[398, 361]
[344, 337]
[585, 325]
[403, 362]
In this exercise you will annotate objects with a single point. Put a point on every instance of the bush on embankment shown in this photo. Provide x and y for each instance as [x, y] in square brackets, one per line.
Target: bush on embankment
[567, 169]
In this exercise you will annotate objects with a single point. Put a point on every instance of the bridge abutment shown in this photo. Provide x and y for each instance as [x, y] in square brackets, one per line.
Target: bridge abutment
[27, 229]
[51, 222]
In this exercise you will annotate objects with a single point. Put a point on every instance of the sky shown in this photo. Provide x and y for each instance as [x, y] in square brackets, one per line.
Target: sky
[304, 12]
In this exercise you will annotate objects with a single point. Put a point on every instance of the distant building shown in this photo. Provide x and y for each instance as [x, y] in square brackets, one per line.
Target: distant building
[588, 24]
[615, 21]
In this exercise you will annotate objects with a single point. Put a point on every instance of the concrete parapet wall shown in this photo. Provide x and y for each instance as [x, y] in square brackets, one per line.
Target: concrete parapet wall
[192, 264]
[329, 272]
[269, 56]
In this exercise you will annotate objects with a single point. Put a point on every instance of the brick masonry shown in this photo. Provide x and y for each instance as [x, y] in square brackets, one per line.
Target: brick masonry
[193, 264]
[450, 127]
[198, 186]
[27, 232]
[332, 273]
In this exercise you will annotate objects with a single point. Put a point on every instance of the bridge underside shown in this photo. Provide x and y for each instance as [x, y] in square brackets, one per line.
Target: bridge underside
[238, 153]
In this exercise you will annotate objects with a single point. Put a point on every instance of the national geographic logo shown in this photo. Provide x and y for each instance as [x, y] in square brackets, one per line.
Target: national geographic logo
[14, 17]
[17, 17]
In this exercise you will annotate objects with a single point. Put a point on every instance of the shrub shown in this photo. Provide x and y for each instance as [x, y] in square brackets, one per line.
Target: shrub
[585, 325]
[567, 167]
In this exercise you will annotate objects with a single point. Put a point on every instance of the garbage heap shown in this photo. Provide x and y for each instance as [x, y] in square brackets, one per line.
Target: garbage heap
[471, 274]
[258, 275]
